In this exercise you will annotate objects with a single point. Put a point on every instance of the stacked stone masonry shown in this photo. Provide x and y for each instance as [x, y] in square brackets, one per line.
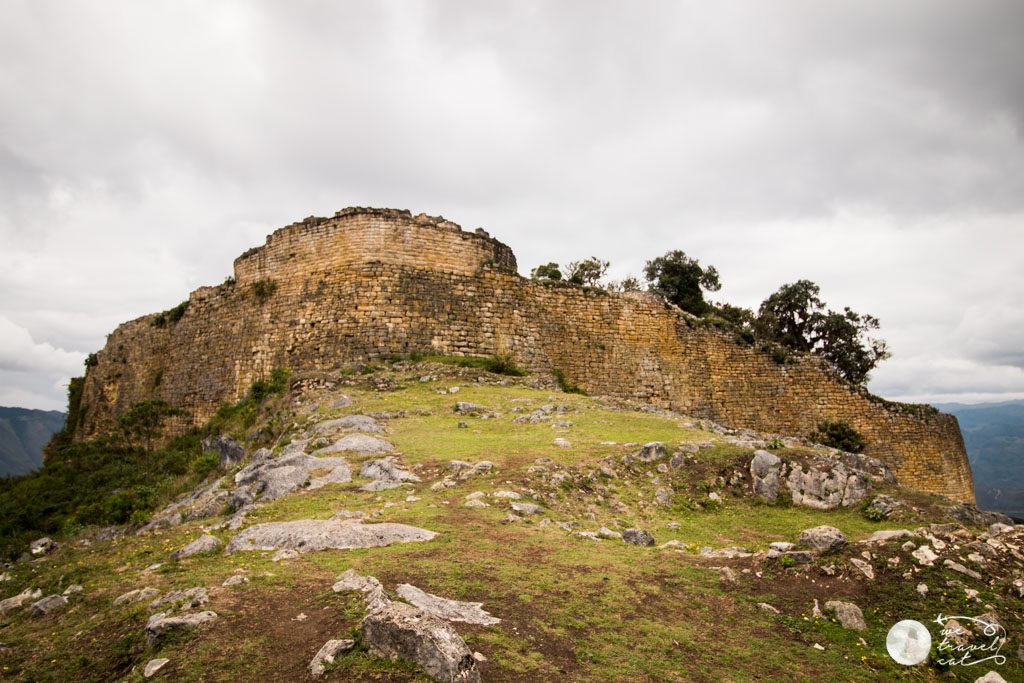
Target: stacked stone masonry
[371, 283]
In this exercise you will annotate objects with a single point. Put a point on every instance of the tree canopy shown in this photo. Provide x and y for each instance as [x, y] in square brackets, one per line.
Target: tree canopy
[682, 280]
[796, 317]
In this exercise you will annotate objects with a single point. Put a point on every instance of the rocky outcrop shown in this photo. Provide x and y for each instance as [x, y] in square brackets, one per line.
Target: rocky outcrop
[824, 539]
[443, 608]
[204, 544]
[311, 535]
[401, 631]
[160, 625]
[825, 482]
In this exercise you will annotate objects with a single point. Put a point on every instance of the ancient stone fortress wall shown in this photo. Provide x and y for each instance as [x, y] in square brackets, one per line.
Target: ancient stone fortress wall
[369, 283]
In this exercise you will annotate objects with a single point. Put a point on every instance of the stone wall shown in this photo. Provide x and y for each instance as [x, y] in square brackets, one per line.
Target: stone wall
[368, 284]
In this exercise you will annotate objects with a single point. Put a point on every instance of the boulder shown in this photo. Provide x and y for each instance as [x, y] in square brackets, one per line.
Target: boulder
[467, 408]
[651, 452]
[883, 506]
[374, 596]
[823, 539]
[358, 443]
[638, 537]
[137, 595]
[311, 535]
[159, 625]
[42, 546]
[925, 556]
[990, 677]
[888, 535]
[51, 604]
[825, 487]
[386, 470]
[154, 665]
[187, 599]
[848, 614]
[349, 423]
[764, 471]
[325, 656]
[226, 448]
[19, 600]
[203, 544]
[401, 631]
[443, 608]
[527, 508]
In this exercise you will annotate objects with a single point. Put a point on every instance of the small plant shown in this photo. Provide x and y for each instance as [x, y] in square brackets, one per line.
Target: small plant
[503, 365]
[92, 360]
[263, 289]
[229, 281]
[787, 561]
[170, 316]
[839, 435]
[873, 514]
[775, 444]
[564, 384]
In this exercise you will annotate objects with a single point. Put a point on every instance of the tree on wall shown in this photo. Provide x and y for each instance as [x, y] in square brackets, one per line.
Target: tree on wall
[796, 317]
[547, 271]
[587, 272]
[682, 280]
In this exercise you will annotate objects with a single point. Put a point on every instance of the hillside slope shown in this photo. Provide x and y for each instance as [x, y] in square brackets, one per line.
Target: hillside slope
[611, 540]
[23, 435]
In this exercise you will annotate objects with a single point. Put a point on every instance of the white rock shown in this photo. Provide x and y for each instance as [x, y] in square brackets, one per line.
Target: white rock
[154, 665]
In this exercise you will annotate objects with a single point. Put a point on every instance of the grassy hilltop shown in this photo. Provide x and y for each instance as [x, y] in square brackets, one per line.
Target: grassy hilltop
[572, 607]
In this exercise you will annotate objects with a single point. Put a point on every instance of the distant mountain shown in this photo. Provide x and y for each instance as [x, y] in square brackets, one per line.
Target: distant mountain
[994, 436]
[23, 434]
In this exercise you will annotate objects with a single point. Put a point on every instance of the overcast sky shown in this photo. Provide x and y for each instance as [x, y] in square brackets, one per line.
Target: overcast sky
[873, 147]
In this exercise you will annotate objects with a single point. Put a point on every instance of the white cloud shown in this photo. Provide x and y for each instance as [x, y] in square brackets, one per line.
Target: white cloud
[872, 147]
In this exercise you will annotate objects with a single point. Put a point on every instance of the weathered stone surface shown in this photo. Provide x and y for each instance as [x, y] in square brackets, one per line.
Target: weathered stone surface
[401, 631]
[154, 665]
[235, 580]
[888, 535]
[764, 471]
[651, 452]
[73, 589]
[349, 423]
[226, 448]
[970, 514]
[527, 508]
[51, 604]
[311, 535]
[730, 553]
[823, 539]
[638, 537]
[159, 625]
[925, 556]
[357, 443]
[42, 546]
[826, 488]
[326, 655]
[386, 470]
[137, 595]
[374, 596]
[990, 677]
[203, 544]
[186, 599]
[443, 608]
[848, 614]
[19, 600]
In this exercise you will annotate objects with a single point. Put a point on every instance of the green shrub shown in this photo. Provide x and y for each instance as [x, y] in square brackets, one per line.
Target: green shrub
[170, 316]
[205, 465]
[263, 289]
[839, 435]
[775, 444]
[503, 365]
[564, 384]
[787, 561]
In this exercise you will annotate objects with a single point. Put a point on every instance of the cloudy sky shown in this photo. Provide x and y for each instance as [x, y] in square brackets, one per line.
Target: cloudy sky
[873, 147]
